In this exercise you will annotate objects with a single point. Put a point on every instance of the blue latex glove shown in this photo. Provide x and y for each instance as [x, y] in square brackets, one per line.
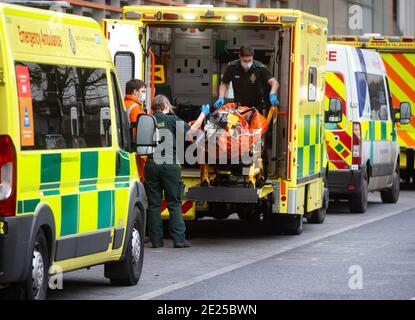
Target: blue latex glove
[205, 109]
[219, 103]
[273, 98]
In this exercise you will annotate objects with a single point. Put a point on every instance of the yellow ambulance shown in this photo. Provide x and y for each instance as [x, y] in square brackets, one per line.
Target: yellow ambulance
[182, 52]
[398, 54]
[70, 195]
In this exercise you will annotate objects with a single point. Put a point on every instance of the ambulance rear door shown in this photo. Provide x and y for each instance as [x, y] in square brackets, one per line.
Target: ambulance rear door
[124, 42]
[338, 131]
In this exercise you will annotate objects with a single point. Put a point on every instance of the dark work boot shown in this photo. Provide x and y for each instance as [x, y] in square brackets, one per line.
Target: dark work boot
[184, 244]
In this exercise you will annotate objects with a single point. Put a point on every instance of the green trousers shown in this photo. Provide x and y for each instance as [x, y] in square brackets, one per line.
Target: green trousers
[167, 178]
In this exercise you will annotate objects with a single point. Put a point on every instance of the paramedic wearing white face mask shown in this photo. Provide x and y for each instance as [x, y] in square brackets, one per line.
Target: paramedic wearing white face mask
[249, 80]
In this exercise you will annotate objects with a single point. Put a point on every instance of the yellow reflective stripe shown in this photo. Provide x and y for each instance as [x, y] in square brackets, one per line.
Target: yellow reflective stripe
[106, 169]
[88, 211]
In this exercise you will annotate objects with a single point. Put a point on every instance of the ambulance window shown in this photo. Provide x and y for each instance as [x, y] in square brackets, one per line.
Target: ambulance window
[121, 116]
[69, 106]
[95, 107]
[378, 97]
[312, 84]
[44, 103]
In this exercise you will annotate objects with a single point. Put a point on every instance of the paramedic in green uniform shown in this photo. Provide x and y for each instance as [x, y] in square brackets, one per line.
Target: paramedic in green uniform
[163, 173]
[249, 81]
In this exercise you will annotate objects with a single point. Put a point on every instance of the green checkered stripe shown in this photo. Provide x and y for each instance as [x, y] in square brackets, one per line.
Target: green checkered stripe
[310, 147]
[70, 203]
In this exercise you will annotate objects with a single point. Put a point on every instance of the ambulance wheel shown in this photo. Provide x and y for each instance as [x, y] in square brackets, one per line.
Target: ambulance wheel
[318, 216]
[358, 201]
[35, 286]
[127, 272]
[391, 195]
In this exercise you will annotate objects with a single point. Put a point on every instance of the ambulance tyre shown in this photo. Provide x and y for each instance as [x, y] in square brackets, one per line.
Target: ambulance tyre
[358, 201]
[127, 272]
[391, 195]
[318, 216]
[35, 286]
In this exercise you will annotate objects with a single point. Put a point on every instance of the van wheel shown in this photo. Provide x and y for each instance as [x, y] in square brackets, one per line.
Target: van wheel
[127, 272]
[35, 286]
[391, 195]
[358, 201]
[318, 216]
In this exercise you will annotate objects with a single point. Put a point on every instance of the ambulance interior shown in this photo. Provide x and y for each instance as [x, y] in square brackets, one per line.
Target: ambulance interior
[194, 60]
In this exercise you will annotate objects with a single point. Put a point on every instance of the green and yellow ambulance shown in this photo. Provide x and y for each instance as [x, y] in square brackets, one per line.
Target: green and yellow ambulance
[70, 195]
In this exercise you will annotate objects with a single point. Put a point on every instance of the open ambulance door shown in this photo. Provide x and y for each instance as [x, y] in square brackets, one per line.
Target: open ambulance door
[278, 163]
[125, 40]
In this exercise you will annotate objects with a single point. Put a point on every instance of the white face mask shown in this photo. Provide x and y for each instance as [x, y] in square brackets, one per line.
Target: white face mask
[246, 66]
[142, 97]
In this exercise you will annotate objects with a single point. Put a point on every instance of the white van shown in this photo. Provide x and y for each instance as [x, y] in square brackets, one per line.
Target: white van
[360, 127]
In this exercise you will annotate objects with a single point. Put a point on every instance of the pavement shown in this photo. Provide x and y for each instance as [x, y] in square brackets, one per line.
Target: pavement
[350, 256]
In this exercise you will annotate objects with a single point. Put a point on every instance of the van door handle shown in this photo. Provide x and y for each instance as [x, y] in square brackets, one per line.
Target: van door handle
[117, 163]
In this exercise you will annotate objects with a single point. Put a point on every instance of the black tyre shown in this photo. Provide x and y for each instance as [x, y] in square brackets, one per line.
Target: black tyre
[318, 216]
[127, 272]
[391, 195]
[358, 201]
[35, 286]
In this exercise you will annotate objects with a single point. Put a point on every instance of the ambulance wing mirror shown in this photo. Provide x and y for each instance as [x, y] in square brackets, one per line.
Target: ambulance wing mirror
[405, 113]
[146, 135]
[335, 113]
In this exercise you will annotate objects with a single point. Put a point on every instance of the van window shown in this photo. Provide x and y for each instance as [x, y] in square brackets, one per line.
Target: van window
[362, 94]
[70, 107]
[378, 97]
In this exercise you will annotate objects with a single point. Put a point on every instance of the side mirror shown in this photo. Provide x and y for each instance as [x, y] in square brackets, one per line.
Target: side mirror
[405, 113]
[146, 140]
[335, 113]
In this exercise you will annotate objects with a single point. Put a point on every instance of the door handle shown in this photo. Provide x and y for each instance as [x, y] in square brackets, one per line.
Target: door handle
[117, 163]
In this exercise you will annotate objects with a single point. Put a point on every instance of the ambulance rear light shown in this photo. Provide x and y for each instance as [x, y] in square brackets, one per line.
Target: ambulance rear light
[363, 39]
[350, 39]
[149, 16]
[335, 38]
[231, 18]
[170, 16]
[357, 144]
[132, 15]
[8, 164]
[250, 18]
[408, 39]
[288, 19]
[394, 39]
[189, 16]
[272, 18]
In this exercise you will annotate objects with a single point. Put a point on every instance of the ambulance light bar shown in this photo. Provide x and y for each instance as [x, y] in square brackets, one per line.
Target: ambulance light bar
[132, 15]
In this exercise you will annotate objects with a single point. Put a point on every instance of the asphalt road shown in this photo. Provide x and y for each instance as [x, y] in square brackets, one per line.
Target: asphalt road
[370, 256]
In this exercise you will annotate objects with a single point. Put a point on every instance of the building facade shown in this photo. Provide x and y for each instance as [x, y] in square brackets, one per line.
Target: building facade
[406, 17]
[358, 17]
